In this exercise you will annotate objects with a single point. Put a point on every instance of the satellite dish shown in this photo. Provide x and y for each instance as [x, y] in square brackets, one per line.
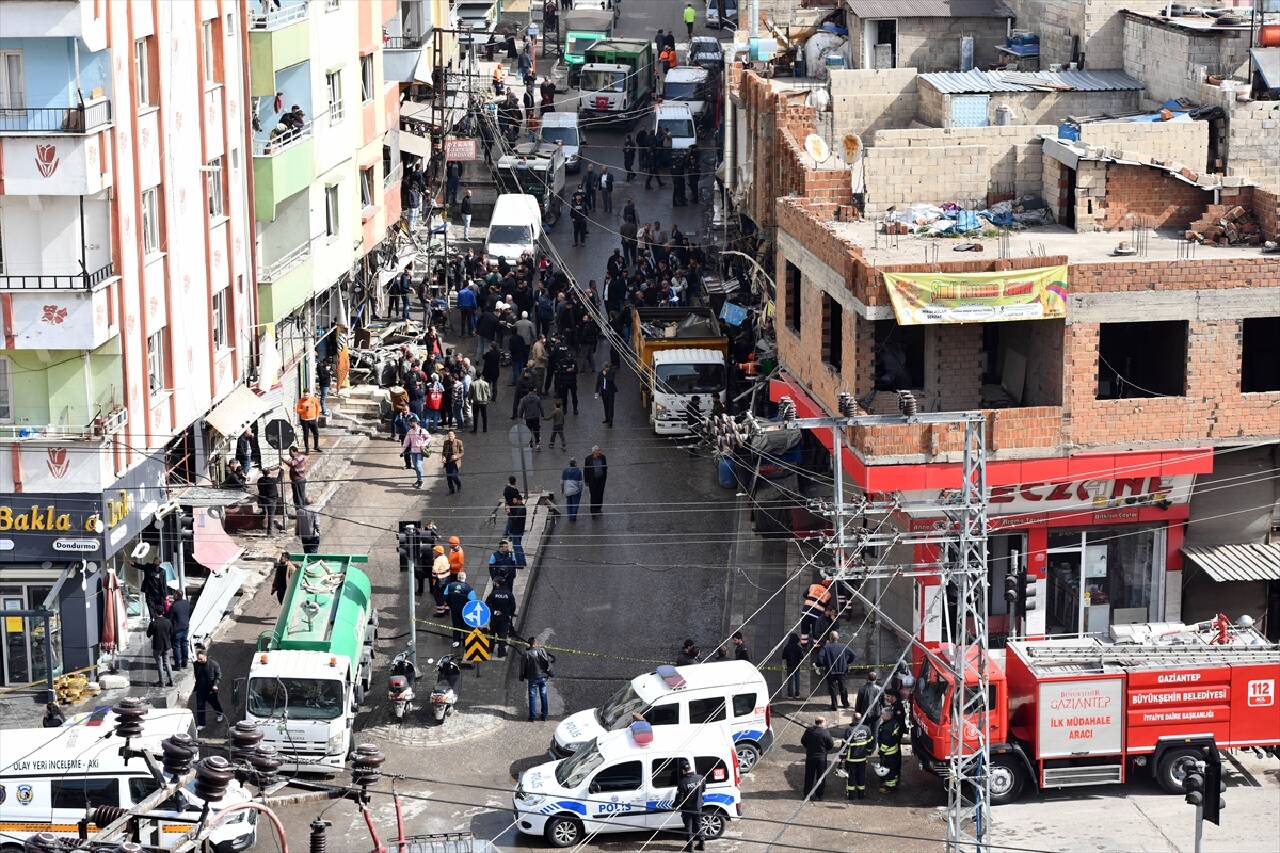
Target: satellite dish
[852, 145]
[817, 147]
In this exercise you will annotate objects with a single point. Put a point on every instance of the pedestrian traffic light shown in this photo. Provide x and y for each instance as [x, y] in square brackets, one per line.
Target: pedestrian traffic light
[1193, 784]
[407, 545]
[1214, 786]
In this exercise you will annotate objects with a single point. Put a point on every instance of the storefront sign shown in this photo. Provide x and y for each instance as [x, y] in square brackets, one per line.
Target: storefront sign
[1033, 501]
[935, 298]
[460, 149]
[131, 503]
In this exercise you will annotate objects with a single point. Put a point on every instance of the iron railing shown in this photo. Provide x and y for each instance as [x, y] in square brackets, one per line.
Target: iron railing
[284, 140]
[404, 42]
[72, 281]
[281, 266]
[78, 119]
[274, 19]
[394, 175]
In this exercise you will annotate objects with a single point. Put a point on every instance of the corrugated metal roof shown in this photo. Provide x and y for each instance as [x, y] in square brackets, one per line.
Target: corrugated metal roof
[975, 82]
[1237, 562]
[928, 9]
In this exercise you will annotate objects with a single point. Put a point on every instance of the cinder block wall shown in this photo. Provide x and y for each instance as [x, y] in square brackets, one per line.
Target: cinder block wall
[1099, 25]
[1054, 107]
[866, 101]
[1253, 143]
[1185, 142]
[1165, 57]
[933, 44]
[933, 175]
[1013, 152]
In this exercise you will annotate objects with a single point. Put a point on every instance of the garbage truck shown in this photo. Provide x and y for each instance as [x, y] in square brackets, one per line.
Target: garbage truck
[682, 354]
[536, 169]
[582, 28]
[311, 673]
[617, 79]
[1148, 702]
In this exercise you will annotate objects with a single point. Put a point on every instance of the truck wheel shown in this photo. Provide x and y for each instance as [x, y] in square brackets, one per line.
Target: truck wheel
[359, 693]
[748, 755]
[1008, 779]
[1174, 767]
[563, 831]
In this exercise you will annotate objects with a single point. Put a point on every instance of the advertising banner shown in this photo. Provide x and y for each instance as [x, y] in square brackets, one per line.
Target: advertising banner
[929, 298]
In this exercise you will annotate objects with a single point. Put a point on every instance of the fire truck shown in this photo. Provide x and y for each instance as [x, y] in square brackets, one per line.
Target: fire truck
[1074, 712]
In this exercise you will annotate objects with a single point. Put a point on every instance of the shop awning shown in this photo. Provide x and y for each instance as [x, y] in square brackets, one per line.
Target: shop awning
[209, 496]
[239, 409]
[419, 146]
[1236, 562]
[214, 601]
[213, 548]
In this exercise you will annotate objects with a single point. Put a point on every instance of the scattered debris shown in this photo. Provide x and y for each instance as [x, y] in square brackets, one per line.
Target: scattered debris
[1223, 225]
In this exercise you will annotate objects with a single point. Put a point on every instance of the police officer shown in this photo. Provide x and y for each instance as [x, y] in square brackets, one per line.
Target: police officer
[817, 743]
[689, 791]
[502, 565]
[856, 750]
[889, 740]
[502, 601]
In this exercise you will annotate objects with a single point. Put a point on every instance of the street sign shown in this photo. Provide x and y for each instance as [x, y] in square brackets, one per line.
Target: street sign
[460, 149]
[280, 434]
[476, 614]
[478, 647]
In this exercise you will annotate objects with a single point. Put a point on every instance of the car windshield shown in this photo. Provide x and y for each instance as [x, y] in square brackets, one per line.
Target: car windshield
[680, 91]
[930, 691]
[578, 43]
[679, 128]
[530, 181]
[567, 135]
[691, 378]
[571, 772]
[301, 698]
[619, 709]
[509, 235]
[597, 80]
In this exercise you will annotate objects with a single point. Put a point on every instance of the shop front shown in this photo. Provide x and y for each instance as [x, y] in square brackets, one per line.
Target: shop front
[61, 559]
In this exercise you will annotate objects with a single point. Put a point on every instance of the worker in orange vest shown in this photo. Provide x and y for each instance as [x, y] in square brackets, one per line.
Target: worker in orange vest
[308, 410]
[457, 557]
[816, 600]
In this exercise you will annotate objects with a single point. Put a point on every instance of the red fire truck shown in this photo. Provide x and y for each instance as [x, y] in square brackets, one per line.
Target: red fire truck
[1088, 712]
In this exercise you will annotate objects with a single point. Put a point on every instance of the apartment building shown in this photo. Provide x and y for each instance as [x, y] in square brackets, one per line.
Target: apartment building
[126, 292]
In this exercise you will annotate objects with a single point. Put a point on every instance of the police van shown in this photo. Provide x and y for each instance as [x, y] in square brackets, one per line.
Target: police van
[625, 781]
[50, 777]
[729, 695]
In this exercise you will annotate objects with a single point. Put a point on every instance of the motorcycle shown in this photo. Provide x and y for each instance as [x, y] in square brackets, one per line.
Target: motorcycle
[400, 685]
[445, 694]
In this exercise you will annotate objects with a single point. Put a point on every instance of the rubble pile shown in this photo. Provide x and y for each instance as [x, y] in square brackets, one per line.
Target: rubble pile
[1226, 226]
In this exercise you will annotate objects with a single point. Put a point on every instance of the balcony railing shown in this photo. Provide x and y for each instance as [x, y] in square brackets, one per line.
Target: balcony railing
[404, 42]
[74, 281]
[281, 141]
[274, 19]
[100, 427]
[40, 120]
[283, 265]
[394, 175]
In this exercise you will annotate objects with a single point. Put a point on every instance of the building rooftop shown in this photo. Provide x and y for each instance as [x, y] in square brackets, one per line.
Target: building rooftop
[1048, 240]
[928, 9]
[1201, 23]
[976, 81]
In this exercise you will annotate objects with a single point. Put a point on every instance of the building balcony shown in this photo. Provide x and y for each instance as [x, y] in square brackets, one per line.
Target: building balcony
[265, 16]
[100, 427]
[284, 285]
[54, 165]
[393, 177]
[60, 318]
[282, 166]
[278, 38]
[68, 281]
[44, 121]
[404, 58]
[82, 19]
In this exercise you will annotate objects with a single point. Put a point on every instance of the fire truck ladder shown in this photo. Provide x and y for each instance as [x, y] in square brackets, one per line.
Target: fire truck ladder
[1129, 656]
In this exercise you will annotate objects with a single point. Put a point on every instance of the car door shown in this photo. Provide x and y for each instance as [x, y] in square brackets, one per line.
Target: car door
[616, 798]
[664, 775]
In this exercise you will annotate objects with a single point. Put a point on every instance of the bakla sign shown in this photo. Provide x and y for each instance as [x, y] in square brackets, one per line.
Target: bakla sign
[1074, 495]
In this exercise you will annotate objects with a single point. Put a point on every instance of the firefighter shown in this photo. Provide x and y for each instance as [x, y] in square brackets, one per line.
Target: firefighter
[814, 611]
[889, 741]
[856, 750]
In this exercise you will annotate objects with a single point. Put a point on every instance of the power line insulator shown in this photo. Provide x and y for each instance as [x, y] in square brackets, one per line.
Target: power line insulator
[907, 404]
[366, 766]
[129, 847]
[787, 409]
[245, 737]
[213, 776]
[318, 842]
[847, 405]
[43, 842]
[129, 712]
[266, 761]
[179, 753]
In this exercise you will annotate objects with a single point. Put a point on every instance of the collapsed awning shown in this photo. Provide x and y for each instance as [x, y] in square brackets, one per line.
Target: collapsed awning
[213, 548]
[419, 146]
[1236, 562]
[214, 601]
[1267, 61]
[239, 409]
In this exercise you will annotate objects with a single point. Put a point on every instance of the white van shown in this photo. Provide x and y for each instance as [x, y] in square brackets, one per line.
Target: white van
[49, 777]
[625, 781]
[731, 693]
[677, 119]
[688, 85]
[563, 128]
[515, 227]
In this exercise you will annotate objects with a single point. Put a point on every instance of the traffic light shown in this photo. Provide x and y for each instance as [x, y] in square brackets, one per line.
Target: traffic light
[1193, 784]
[186, 529]
[1214, 786]
[407, 545]
[1027, 593]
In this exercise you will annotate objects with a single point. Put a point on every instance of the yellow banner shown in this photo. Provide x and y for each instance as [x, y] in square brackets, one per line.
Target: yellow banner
[929, 298]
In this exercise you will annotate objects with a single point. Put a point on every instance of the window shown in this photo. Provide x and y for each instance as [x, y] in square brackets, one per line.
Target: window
[151, 220]
[793, 297]
[206, 47]
[214, 178]
[13, 88]
[231, 24]
[706, 710]
[710, 768]
[1259, 354]
[666, 772]
[333, 85]
[142, 59]
[85, 792]
[6, 398]
[366, 187]
[155, 362]
[832, 332]
[663, 715]
[899, 356]
[331, 211]
[366, 77]
[1142, 360]
[220, 320]
[744, 704]
[626, 776]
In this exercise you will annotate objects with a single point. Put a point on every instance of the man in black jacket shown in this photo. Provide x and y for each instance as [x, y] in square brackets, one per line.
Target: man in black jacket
[180, 617]
[208, 674]
[606, 390]
[817, 743]
[866, 707]
[502, 601]
[595, 470]
[535, 669]
[834, 660]
[161, 633]
[270, 500]
[689, 792]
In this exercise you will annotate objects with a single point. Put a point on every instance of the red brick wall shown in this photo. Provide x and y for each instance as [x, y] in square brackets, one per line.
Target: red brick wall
[1150, 192]
[1266, 207]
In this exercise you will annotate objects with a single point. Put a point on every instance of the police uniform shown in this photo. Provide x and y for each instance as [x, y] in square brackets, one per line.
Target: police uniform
[889, 739]
[856, 749]
[689, 792]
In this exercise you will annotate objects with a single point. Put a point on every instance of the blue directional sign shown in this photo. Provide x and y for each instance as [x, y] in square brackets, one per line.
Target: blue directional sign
[476, 614]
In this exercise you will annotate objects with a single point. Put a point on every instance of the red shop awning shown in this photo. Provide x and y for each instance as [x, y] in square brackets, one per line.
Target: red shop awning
[213, 548]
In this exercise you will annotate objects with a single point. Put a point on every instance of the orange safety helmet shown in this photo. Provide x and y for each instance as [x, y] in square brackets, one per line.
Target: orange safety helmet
[454, 540]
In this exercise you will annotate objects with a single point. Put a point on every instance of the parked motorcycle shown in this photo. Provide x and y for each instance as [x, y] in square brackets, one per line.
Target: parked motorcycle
[445, 694]
[400, 685]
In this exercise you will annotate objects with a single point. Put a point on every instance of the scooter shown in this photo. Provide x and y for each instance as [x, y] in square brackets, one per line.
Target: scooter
[445, 694]
[400, 685]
